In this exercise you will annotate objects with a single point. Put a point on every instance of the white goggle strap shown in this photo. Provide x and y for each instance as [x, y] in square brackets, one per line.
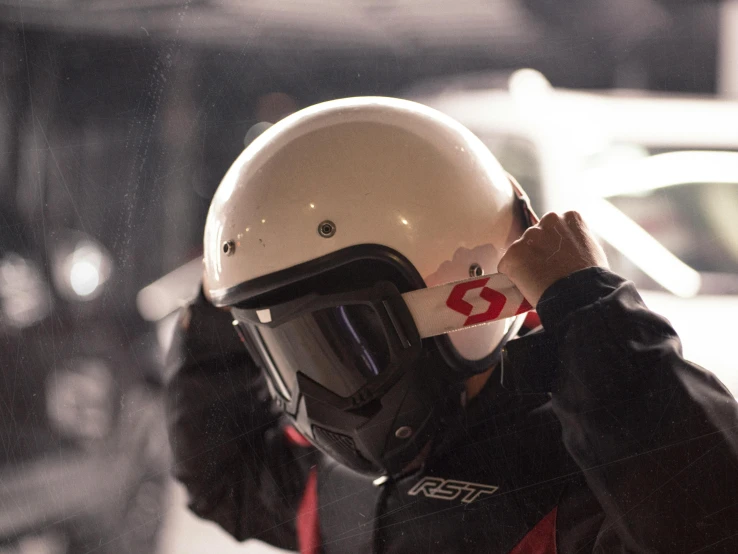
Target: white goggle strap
[464, 304]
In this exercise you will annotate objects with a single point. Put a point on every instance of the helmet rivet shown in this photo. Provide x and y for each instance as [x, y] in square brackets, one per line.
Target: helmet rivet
[326, 229]
[404, 432]
[475, 270]
[229, 248]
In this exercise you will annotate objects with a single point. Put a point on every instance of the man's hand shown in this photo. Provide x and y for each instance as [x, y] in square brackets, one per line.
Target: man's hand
[557, 246]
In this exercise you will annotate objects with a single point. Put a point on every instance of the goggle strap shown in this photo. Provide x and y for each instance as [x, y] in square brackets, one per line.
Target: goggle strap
[464, 304]
[530, 216]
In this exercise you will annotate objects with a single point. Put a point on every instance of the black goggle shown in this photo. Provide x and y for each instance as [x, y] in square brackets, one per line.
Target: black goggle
[349, 343]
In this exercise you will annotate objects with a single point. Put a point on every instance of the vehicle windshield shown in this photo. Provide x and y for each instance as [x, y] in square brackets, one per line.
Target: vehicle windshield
[697, 222]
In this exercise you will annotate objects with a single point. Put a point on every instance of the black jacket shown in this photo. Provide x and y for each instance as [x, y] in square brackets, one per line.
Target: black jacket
[634, 450]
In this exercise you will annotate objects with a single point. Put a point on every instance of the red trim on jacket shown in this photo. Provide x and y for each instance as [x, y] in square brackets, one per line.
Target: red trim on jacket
[294, 436]
[308, 528]
[541, 539]
[532, 320]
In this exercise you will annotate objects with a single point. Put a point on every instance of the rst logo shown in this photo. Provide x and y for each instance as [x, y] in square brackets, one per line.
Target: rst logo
[450, 489]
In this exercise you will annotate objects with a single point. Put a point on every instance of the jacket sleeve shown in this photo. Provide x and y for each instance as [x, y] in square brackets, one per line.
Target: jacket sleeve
[228, 445]
[655, 435]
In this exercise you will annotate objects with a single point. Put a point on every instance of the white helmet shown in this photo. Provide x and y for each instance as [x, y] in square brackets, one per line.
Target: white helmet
[342, 195]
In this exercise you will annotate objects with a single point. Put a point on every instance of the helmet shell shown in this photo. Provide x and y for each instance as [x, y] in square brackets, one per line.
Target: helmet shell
[383, 171]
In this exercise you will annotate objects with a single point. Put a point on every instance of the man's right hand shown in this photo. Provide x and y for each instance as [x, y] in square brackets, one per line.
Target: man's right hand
[554, 248]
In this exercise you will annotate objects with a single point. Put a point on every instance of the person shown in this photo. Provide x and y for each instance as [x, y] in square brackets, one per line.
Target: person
[307, 410]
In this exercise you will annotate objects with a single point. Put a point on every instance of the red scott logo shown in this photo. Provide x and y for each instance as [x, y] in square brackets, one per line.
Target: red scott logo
[496, 302]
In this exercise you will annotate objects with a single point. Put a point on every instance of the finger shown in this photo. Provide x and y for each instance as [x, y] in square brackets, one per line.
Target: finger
[530, 236]
[519, 251]
[577, 225]
[550, 219]
[510, 259]
[573, 216]
[575, 221]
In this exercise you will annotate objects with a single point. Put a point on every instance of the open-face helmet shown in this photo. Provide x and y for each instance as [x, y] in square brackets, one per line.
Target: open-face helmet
[315, 233]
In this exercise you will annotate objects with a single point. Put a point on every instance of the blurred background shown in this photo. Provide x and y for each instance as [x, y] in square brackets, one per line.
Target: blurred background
[119, 117]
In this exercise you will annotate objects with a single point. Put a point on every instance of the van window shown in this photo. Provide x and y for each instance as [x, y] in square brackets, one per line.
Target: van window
[696, 222]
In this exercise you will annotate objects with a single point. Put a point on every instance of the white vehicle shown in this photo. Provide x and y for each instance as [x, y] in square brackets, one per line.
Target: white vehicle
[656, 176]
